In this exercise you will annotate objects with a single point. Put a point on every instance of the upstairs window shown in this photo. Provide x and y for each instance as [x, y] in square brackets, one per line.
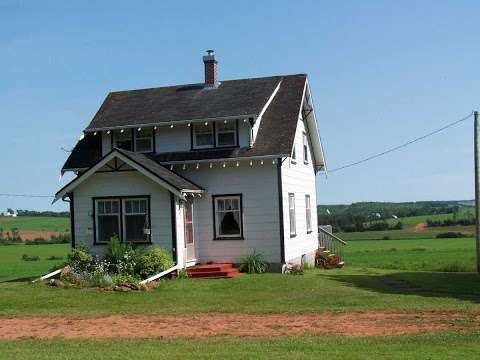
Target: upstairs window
[202, 136]
[226, 134]
[305, 148]
[123, 139]
[144, 140]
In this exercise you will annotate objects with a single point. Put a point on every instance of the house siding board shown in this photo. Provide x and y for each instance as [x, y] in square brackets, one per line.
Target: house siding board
[172, 139]
[106, 143]
[129, 183]
[258, 186]
[299, 179]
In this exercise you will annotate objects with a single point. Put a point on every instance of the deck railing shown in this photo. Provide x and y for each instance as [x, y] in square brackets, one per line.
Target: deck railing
[330, 241]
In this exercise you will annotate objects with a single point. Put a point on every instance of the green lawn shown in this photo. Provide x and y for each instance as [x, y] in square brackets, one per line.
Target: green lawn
[13, 267]
[408, 231]
[416, 255]
[35, 223]
[441, 346]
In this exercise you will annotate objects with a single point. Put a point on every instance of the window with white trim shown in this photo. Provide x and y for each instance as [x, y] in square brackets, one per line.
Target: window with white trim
[226, 133]
[107, 219]
[123, 139]
[202, 136]
[136, 226]
[228, 216]
[133, 214]
[308, 213]
[305, 148]
[291, 212]
[144, 140]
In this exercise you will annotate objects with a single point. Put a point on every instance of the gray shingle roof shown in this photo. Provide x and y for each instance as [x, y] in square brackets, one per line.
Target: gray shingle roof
[245, 97]
[275, 135]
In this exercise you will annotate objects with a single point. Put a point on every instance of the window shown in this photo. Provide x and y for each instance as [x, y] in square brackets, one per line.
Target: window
[144, 140]
[125, 217]
[291, 212]
[226, 133]
[305, 148]
[308, 213]
[107, 220]
[135, 220]
[228, 216]
[202, 136]
[294, 155]
[123, 140]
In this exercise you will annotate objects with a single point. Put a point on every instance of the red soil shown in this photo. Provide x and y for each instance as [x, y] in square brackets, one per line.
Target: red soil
[208, 325]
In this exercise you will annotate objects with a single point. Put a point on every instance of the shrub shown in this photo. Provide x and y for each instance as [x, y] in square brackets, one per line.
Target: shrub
[254, 264]
[80, 259]
[26, 257]
[99, 279]
[155, 261]
[450, 235]
[53, 257]
[121, 279]
[386, 237]
[122, 257]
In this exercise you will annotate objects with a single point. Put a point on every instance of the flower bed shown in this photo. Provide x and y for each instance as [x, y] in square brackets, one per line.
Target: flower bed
[121, 269]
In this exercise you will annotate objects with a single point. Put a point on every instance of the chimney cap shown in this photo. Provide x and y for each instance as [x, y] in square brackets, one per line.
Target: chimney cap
[210, 55]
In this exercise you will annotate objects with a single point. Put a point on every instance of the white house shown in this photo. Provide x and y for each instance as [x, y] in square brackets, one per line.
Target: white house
[211, 171]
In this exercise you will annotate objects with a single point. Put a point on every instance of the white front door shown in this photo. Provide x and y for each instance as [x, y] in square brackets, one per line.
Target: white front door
[189, 233]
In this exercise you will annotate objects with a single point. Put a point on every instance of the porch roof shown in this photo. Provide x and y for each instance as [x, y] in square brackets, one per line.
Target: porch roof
[140, 162]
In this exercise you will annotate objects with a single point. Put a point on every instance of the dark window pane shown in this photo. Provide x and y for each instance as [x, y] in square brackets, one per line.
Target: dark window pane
[134, 226]
[107, 228]
[226, 139]
[229, 223]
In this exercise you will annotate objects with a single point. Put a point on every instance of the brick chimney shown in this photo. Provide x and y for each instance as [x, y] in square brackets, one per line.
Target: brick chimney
[211, 69]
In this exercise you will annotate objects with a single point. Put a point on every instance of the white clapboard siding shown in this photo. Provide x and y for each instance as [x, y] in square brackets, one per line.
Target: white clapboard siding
[299, 179]
[129, 183]
[258, 185]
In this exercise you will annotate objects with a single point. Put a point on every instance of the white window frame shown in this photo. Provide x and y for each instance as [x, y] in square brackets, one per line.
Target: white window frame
[111, 214]
[217, 235]
[146, 213]
[308, 213]
[305, 148]
[194, 135]
[138, 136]
[219, 131]
[291, 213]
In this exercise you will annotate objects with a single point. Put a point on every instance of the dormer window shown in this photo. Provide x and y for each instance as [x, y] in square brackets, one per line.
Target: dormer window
[144, 140]
[123, 139]
[226, 134]
[203, 136]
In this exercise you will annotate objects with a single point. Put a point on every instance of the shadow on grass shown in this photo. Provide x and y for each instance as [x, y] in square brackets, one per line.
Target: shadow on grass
[461, 286]
[21, 279]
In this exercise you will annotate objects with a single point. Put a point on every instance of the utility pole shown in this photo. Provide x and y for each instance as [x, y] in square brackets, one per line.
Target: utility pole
[476, 136]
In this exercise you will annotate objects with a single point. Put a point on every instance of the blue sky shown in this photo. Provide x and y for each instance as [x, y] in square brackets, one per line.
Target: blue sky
[381, 73]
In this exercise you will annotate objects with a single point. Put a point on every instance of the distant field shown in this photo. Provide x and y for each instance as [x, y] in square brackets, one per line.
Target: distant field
[413, 254]
[35, 223]
[13, 267]
[409, 231]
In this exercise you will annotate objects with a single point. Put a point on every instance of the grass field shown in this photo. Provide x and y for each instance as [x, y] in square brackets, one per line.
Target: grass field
[443, 346]
[380, 275]
[409, 231]
[35, 223]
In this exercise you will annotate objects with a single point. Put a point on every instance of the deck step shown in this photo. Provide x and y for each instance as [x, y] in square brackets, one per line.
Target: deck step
[213, 271]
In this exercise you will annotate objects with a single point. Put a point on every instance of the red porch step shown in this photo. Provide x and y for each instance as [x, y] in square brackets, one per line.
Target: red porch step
[213, 271]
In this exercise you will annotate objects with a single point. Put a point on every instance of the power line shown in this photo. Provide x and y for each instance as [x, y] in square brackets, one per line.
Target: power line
[402, 145]
[27, 195]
